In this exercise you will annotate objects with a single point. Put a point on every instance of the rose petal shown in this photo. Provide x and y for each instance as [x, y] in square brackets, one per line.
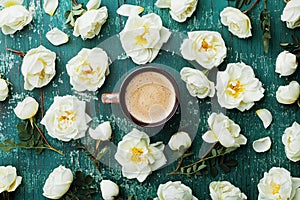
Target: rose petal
[50, 6]
[93, 4]
[262, 145]
[57, 37]
[129, 10]
[265, 116]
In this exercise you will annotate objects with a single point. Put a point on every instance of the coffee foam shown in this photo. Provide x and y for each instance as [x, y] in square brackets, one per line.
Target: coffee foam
[150, 97]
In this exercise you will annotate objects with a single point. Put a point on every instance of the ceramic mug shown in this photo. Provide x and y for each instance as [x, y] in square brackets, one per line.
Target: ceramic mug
[148, 96]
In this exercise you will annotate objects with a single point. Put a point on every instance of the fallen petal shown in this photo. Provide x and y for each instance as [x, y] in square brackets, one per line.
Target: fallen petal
[262, 145]
[57, 37]
[129, 10]
[265, 116]
[93, 4]
[50, 6]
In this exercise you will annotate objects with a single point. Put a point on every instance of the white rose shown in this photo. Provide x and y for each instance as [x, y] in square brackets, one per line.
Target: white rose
[205, 47]
[93, 4]
[180, 139]
[224, 130]
[238, 23]
[58, 183]
[179, 10]
[109, 189]
[66, 118]
[102, 132]
[3, 89]
[286, 63]
[8, 3]
[142, 37]
[174, 191]
[291, 14]
[288, 94]
[225, 190]
[138, 157]
[291, 141]
[27, 108]
[88, 69]
[89, 24]
[197, 83]
[14, 18]
[38, 67]
[9, 181]
[278, 184]
[237, 87]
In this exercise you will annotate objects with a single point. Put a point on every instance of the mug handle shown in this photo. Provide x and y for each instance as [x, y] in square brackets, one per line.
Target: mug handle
[111, 98]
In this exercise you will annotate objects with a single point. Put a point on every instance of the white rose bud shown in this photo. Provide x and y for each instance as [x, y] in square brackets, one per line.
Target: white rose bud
[109, 189]
[14, 18]
[9, 181]
[174, 190]
[89, 24]
[291, 14]
[197, 83]
[3, 89]
[288, 94]
[27, 108]
[286, 63]
[102, 132]
[291, 141]
[38, 67]
[179, 10]
[225, 190]
[180, 139]
[238, 23]
[58, 183]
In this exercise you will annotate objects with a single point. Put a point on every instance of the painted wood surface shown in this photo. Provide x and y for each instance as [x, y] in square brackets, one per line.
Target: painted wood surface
[35, 168]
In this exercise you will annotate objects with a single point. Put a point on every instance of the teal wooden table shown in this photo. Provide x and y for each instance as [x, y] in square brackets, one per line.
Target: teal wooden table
[35, 168]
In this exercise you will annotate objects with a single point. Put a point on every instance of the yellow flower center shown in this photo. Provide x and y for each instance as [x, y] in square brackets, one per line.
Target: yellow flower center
[275, 188]
[205, 45]
[140, 39]
[136, 154]
[66, 119]
[235, 88]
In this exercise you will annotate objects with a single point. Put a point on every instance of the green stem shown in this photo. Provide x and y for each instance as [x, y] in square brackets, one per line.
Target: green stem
[265, 4]
[45, 140]
[253, 5]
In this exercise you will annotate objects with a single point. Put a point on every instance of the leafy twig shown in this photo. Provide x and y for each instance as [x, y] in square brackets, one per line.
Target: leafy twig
[199, 165]
[75, 12]
[251, 7]
[266, 27]
[31, 137]
[240, 3]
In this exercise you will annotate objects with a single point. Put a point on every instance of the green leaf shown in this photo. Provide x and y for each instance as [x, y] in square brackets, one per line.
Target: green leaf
[182, 170]
[79, 6]
[188, 171]
[131, 197]
[67, 13]
[78, 12]
[24, 136]
[88, 180]
[213, 172]
[224, 168]
[201, 167]
[239, 3]
[248, 2]
[195, 168]
[214, 152]
[231, 163]
[21, 127]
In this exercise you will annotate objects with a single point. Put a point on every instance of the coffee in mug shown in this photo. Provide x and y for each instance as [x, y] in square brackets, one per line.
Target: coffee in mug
[150, 97]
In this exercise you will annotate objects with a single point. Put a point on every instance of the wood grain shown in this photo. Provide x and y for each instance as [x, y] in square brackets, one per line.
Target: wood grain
[35, 168]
